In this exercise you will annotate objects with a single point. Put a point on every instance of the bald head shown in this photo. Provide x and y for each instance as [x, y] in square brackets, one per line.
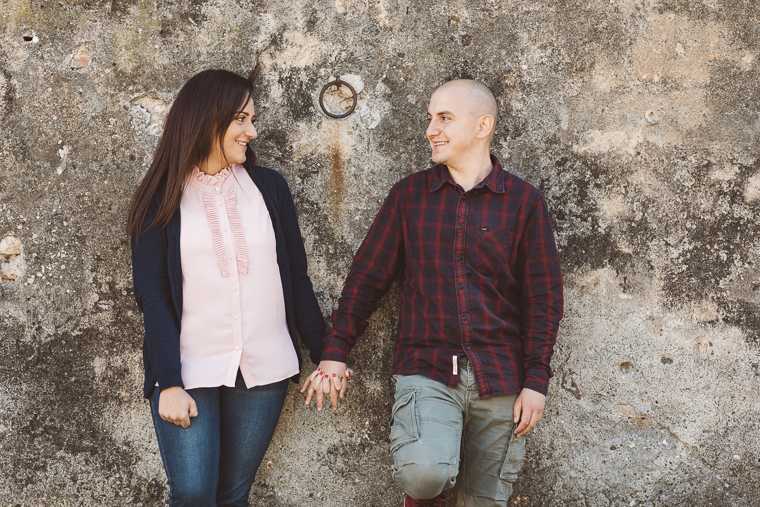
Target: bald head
[476, 97]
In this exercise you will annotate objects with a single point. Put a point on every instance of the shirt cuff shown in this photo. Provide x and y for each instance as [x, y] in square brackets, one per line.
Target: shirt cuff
[335, 349]
[170, 379]
[537, 380]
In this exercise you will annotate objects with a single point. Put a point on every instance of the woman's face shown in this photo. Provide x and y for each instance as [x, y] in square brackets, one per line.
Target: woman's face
[240, 132]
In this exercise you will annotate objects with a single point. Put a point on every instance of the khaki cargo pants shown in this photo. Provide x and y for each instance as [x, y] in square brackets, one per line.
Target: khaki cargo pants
[434, 425]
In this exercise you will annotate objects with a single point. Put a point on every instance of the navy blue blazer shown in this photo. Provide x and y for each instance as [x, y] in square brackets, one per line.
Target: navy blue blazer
[157, 277]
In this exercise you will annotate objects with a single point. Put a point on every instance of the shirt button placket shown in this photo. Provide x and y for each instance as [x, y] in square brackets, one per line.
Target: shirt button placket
[236, 303]
[461, 235]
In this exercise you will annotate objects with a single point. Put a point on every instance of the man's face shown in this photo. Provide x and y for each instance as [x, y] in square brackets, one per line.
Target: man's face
[453, 128]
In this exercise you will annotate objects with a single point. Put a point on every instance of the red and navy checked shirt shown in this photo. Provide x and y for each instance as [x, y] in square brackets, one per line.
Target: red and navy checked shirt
[480, 276]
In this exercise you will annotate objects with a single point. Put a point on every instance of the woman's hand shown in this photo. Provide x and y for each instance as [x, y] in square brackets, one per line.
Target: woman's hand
[176, 406]
[330, 377]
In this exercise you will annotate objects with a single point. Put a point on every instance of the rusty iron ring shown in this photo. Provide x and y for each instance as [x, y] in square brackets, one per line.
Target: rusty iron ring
[338, 82]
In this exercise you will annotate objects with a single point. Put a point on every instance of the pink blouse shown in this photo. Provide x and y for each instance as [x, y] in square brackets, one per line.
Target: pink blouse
[233, 310]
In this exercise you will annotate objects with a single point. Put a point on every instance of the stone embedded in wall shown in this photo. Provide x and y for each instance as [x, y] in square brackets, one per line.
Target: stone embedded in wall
[350, 8]
[63, 152]
[625, 409]
[752, 191]
[639, 420]
[746, 62]
[151, 108]
[3, 88]
[140, 117]
[80, 60]
[11, 258]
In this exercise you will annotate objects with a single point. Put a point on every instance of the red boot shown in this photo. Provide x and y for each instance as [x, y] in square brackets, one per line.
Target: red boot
[433, 502]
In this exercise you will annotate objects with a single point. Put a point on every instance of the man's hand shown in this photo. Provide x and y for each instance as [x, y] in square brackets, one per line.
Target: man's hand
[529, 407]
[330, 377]
[176, 406]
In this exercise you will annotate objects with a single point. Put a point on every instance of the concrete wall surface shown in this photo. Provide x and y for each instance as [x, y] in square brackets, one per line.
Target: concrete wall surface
[638, 120]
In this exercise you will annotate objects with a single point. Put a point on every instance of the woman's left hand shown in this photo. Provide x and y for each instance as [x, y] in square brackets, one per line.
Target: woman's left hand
[330, 377]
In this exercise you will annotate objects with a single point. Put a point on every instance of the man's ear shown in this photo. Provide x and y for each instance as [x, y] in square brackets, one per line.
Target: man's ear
[485, 126]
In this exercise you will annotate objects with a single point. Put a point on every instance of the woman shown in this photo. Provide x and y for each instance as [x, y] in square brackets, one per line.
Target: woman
[219, 273]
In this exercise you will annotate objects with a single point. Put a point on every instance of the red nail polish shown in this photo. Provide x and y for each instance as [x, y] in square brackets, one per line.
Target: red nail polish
[333, 374]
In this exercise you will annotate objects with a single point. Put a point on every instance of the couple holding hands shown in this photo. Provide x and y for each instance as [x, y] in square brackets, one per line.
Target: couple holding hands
[220, 274]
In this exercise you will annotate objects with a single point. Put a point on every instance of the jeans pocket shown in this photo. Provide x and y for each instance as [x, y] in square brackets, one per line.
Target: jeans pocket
[513, 459]
[404, 427]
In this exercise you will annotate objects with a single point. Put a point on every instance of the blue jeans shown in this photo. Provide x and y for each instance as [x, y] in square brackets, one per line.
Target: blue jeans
[214, 461]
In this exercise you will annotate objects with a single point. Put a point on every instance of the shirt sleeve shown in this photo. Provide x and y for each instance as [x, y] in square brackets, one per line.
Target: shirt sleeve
[540, 278]
[373, 269]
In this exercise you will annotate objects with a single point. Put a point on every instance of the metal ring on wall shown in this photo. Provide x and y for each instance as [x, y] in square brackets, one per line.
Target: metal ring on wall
[338, 82]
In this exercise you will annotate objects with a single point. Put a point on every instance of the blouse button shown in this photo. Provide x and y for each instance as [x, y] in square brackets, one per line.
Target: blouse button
[226, 229]
[219, 203]
[237, 348]
[218, 189]
[234, 287]
[237, 317]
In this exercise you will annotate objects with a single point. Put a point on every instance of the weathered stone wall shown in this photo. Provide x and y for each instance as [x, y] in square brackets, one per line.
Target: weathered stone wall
[638, 119]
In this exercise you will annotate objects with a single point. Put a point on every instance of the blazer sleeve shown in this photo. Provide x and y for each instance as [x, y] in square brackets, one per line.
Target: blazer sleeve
[309, 320]
[150, 276]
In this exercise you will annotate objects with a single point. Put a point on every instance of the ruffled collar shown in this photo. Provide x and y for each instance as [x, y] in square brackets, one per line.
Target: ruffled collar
[208, 179]
[216, 195]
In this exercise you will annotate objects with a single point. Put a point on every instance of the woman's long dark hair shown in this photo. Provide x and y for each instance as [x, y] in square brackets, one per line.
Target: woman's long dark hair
[200, 116]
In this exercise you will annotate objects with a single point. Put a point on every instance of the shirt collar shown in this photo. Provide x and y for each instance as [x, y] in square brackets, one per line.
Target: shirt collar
[494, 181]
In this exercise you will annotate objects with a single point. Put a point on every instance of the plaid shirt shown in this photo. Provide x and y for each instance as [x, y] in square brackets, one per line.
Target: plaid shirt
[480, 277]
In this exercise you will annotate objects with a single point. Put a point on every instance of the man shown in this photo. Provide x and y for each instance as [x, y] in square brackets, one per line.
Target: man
[481, 301]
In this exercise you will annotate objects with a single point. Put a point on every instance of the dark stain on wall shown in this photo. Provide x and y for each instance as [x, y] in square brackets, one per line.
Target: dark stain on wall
[67, 413]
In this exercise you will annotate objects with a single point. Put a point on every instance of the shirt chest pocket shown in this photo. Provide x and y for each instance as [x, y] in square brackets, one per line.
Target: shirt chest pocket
[489, 249]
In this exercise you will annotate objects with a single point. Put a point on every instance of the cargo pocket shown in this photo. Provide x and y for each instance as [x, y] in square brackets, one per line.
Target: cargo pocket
[513, 459]
[404, 420]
